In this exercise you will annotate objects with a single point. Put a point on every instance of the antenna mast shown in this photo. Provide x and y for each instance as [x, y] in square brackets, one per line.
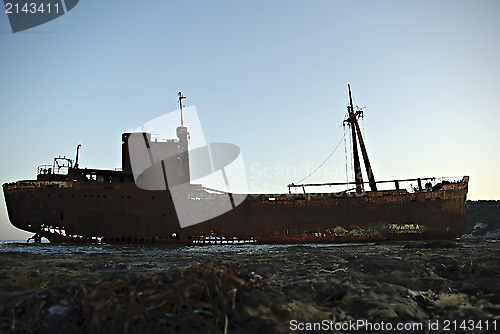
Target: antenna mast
[180, 105]
[183, 134]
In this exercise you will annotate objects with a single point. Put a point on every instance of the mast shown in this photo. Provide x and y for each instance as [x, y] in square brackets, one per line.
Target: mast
[180, 106]
[352, 119]
[182, 134]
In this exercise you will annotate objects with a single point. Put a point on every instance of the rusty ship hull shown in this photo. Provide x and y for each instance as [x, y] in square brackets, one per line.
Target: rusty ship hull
[89, 211]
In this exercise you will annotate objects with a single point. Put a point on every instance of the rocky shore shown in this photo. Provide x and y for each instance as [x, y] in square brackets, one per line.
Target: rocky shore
[422, 287]
[249, 288]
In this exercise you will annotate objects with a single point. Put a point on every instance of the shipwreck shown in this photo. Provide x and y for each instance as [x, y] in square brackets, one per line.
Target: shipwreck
[67, 203]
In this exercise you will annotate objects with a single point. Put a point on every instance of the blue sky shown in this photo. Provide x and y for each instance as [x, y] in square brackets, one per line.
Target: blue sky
[269, 76]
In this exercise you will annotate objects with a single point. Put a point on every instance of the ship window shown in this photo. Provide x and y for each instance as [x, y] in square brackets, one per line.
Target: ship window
[121, 179]
[107, 178]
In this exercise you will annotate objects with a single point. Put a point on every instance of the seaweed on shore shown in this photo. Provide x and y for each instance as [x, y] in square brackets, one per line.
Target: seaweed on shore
[202, 298]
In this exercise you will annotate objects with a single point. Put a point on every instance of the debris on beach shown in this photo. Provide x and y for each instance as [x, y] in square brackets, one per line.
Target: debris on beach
[202, 298]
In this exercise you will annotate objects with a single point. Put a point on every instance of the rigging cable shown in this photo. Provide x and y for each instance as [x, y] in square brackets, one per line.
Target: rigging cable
[314, 171]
